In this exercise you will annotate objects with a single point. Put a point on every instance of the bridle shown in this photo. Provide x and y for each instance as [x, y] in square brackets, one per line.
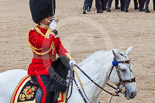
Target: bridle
[121, 81]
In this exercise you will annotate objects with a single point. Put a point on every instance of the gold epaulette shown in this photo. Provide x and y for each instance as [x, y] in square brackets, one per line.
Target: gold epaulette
[48, 32]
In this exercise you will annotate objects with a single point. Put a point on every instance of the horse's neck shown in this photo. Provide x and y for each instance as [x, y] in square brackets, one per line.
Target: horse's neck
[97, 67]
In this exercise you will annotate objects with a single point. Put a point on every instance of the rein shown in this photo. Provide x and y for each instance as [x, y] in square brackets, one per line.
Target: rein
[79, 90]
[121, 81]
[95, 82]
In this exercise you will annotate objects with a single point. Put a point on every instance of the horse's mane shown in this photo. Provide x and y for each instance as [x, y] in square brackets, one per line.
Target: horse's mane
[92, 56]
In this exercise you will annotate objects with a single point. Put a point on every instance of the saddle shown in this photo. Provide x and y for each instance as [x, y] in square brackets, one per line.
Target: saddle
[26, 92]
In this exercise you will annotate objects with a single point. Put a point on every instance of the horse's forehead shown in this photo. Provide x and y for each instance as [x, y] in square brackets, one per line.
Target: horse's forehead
[124, 56]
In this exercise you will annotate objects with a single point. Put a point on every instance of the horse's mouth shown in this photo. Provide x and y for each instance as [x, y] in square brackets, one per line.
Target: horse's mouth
[129, 96]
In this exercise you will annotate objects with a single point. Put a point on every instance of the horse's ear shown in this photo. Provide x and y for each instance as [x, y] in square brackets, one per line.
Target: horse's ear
[128, 51]
[116, 53]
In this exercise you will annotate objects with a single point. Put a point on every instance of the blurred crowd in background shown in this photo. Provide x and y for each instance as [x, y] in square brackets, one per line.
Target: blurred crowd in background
[123, 5]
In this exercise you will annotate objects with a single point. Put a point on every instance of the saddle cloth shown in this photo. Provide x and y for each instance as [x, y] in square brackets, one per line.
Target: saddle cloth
[25, 92]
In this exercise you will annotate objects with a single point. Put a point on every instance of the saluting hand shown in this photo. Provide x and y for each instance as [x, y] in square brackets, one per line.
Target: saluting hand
[53, 24]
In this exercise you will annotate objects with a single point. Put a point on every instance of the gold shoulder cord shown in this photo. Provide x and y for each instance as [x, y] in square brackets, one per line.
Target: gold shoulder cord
[35, 49]
[47, 33]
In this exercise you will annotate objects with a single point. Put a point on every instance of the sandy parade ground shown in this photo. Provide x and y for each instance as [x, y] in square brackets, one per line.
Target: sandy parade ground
[82, 35]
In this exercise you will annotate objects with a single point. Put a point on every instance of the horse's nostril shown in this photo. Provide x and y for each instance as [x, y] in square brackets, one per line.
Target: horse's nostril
[133, 94]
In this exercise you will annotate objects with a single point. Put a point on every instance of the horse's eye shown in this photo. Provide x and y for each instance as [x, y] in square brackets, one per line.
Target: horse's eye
[123, 70]
[121, 54]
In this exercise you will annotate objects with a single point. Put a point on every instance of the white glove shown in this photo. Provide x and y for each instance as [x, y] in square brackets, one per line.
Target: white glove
[72, 62]
[53, 24]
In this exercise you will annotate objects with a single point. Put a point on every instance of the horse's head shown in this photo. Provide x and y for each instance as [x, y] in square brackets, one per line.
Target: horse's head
[122, 74]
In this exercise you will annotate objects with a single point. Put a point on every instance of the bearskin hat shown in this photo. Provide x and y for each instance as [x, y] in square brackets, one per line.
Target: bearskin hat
[41, 9]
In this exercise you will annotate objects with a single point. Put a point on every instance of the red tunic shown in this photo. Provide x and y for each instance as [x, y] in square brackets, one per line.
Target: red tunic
[50, 45]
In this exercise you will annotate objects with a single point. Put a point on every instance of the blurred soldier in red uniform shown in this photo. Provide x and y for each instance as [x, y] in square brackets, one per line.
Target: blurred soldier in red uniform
[45, 44]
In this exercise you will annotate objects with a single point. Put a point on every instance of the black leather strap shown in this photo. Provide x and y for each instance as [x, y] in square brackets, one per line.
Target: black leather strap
[93, 81]
[80, 91]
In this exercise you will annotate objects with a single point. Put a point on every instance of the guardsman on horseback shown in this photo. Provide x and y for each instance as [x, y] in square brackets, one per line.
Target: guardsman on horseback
[45, 44]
